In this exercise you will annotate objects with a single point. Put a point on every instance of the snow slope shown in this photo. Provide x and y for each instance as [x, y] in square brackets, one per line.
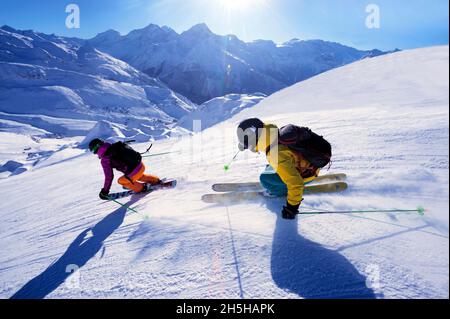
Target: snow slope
[387, 119]
[48, 75]
[28, 140]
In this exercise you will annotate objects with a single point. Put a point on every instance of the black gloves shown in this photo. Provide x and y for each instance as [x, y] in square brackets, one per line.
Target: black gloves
[103, 194]
[290, 211]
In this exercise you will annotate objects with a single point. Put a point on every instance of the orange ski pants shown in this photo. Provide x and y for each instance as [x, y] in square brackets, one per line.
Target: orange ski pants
[136, 181]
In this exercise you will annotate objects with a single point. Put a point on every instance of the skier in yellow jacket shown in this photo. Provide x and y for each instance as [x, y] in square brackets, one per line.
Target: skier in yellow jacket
[288, 170]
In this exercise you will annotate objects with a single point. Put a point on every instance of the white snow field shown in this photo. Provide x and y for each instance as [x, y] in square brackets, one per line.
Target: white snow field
[388, 121]
[26, 141]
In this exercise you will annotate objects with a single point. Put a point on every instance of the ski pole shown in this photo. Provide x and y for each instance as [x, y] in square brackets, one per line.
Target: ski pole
[227, 167]
[148, 149]
[151, 155]
[420, 210]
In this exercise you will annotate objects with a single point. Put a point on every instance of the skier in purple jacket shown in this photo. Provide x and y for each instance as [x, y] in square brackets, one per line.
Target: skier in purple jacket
[122, 157]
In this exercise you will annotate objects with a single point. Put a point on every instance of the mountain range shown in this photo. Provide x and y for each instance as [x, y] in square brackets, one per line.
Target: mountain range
[202, 65]
[150, 82]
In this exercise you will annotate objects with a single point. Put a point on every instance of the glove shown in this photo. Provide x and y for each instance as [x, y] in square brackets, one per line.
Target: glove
[103, 194]
[290, 211]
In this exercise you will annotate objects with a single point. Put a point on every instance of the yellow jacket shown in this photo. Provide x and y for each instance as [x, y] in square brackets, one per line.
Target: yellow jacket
[289, 165]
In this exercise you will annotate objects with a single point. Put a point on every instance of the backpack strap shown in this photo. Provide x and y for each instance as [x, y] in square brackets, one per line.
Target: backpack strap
[269, 148]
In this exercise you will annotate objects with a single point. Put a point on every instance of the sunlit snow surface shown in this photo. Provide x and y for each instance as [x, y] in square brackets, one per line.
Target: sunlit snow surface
[387, 119]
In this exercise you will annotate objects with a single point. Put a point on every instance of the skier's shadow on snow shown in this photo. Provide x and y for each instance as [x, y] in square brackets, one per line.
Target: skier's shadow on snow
[80, 251]
[306, 268]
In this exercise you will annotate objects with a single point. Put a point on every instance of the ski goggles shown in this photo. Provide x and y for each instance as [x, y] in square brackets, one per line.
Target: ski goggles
[95, 149]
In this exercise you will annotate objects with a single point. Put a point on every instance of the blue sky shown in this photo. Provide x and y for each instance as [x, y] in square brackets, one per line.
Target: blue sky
[403, 23]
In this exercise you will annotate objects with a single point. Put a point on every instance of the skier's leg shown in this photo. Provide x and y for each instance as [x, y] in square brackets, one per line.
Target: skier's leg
[272, 182]
[151, 179]
[128, 183]
[131, 181]
[147, 178]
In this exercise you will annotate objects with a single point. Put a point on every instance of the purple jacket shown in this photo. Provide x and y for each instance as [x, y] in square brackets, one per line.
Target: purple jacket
[108, 164]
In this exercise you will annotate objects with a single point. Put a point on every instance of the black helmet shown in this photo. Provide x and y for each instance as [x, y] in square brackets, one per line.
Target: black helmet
[95, 144]
[248, 133]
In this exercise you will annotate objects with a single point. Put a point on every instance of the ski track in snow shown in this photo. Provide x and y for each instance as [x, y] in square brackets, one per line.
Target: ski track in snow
[179, 247]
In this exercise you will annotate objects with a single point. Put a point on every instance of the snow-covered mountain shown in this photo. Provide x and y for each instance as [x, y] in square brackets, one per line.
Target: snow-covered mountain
[65, 78]
[218, 110]
[388, 121]
[202, 65]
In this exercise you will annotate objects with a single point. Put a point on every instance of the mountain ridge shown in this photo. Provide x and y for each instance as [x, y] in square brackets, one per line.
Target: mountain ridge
[202, 65]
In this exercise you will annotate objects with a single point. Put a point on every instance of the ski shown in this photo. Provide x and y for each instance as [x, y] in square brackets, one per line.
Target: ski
[242, 187]
[166, 184]
[235, 197]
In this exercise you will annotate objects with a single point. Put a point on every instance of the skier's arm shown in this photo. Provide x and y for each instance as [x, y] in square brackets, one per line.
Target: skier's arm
[291, 177]
[109, 174]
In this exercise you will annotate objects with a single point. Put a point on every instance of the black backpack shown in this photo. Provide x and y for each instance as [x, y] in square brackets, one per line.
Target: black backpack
[123, 152]
[313, 147]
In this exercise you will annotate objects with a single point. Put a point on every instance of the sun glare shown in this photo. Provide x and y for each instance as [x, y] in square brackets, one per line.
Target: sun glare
[239, 5]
